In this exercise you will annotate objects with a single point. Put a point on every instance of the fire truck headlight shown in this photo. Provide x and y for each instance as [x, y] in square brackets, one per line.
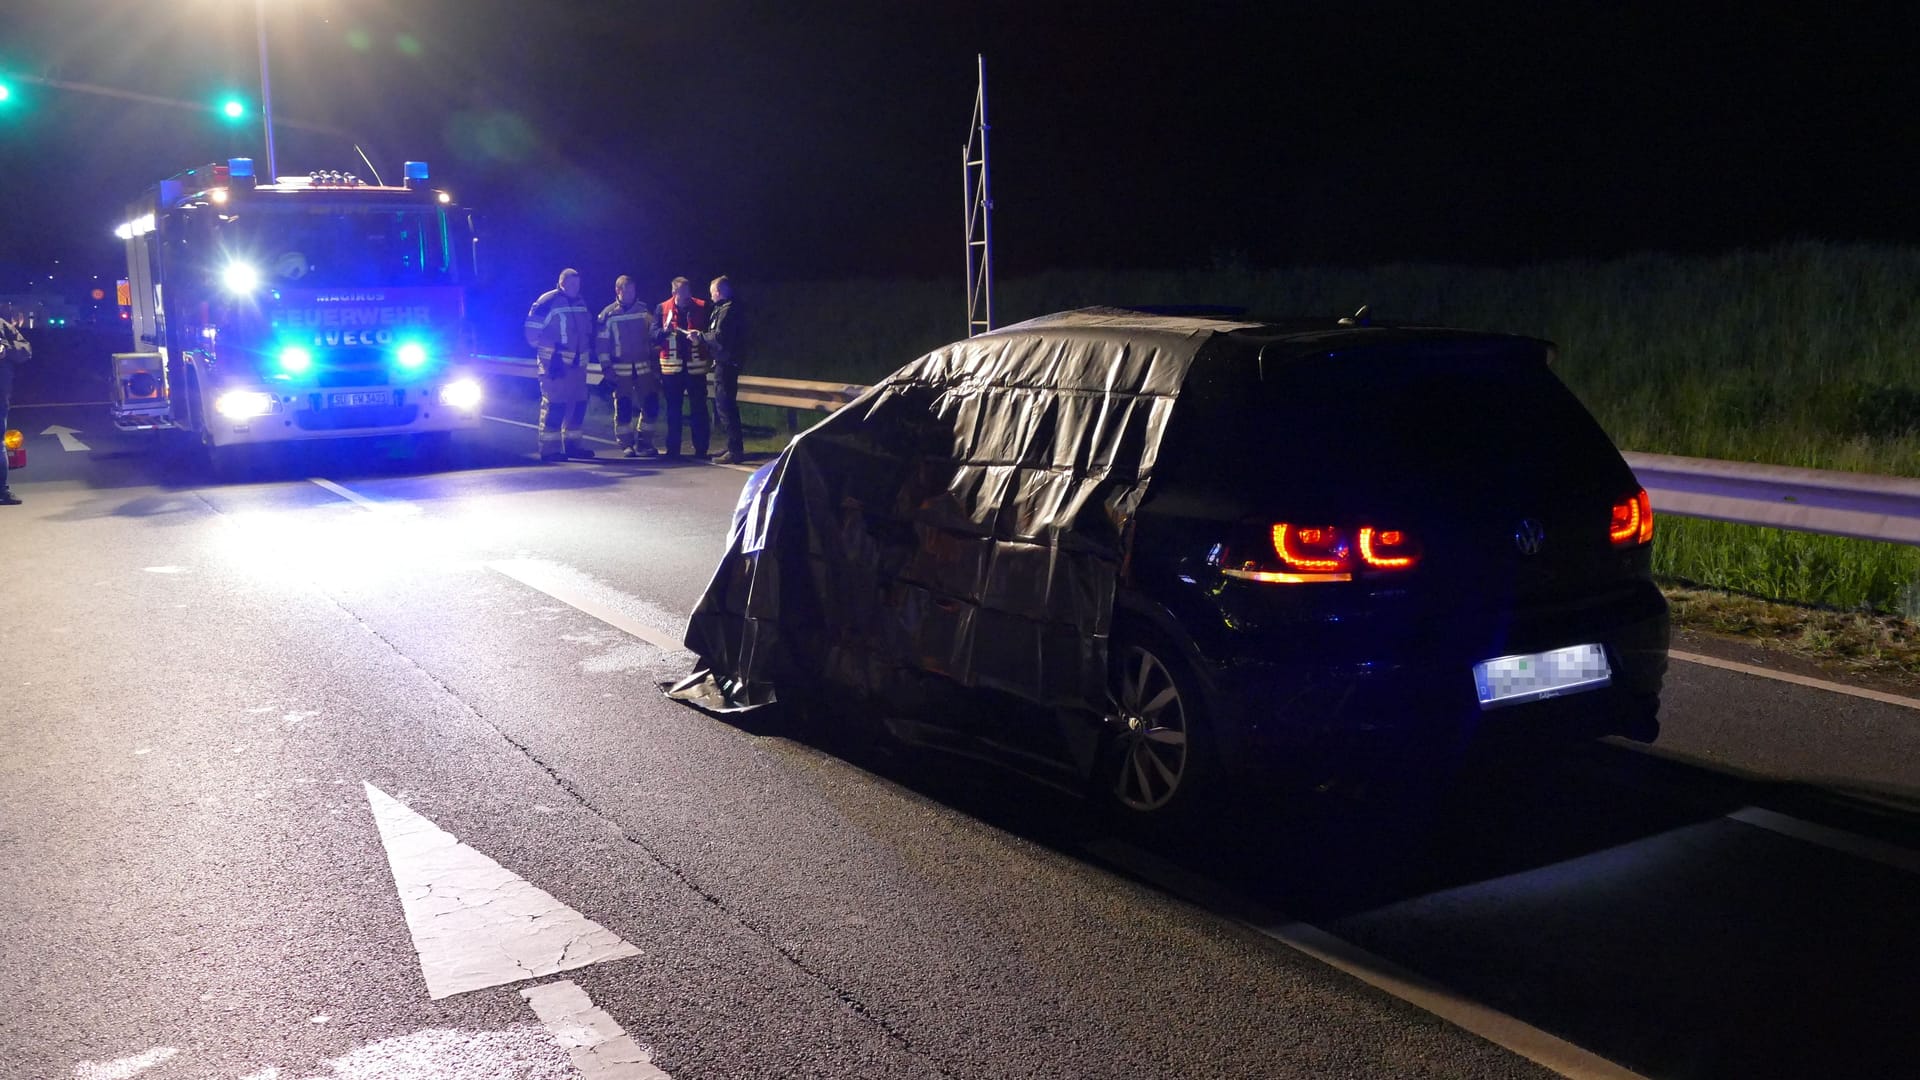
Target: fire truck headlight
[243, 404]
[412, 355]
[295, 359]
[240, 277]
[461, 394]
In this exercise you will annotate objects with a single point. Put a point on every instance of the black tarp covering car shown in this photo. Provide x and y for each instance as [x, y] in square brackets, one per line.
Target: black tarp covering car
[965, 518]
[1195, 543]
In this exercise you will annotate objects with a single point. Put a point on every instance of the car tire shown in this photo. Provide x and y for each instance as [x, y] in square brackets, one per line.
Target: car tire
[1157, 765]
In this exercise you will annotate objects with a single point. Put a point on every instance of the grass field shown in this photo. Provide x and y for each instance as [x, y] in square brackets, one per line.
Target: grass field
[1807, 354]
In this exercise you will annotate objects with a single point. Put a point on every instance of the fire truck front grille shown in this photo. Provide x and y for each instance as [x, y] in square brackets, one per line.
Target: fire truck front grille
[355, 416]
[337, 374]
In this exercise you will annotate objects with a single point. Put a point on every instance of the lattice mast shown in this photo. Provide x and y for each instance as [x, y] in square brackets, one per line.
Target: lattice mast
[979, 204]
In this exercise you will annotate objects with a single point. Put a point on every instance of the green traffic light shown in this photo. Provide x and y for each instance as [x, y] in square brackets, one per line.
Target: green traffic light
[233, 109]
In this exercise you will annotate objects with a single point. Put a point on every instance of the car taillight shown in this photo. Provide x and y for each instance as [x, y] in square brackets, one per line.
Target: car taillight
[1632, 522]
[1313, 549]
[1298, 554]
[1388, 549]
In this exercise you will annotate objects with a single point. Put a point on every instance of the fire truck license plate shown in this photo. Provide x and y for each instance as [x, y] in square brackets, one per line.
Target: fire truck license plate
[363, 397]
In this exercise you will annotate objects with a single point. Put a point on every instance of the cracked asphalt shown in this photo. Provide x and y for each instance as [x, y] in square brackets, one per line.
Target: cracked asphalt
[198, 681]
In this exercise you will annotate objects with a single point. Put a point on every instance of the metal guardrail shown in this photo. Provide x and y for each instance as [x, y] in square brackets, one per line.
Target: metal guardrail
[1823, 501]
[794, 395]
[1859, 505]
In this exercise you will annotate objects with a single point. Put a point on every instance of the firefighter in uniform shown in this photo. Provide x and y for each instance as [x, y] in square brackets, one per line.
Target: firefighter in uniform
[560, 329]
[627, 360]
[683, 364]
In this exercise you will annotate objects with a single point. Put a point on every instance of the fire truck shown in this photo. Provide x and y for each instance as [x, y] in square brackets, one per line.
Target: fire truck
[305, 308]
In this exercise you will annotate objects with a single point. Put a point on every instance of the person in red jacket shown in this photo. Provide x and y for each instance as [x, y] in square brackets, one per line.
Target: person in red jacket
[682, 318]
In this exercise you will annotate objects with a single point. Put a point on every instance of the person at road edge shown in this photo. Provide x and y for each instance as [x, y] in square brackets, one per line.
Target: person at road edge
[627, 361]
[725, 339]
[560, 329]
[683, 365]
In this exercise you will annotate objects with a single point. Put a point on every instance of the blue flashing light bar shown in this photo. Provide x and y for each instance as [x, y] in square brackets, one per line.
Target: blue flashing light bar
[417, 170]
[239, 167]
[295, 359]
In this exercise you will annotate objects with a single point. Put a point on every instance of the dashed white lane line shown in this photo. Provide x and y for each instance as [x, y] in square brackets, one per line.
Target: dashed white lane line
[543, 578]
[608, 442]
[1510, 1033]
[598, 1046]
[475, 923]
[346, 493]
[1829, 837]
[1797, 680]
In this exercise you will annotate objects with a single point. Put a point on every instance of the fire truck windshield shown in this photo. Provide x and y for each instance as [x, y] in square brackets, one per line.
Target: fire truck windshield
[344, 246]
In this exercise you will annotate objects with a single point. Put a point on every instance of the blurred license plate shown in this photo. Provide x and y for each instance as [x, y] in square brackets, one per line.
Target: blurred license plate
[362, 397]
[1510, 680]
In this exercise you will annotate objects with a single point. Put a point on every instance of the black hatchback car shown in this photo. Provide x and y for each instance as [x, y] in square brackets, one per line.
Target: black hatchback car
[1159, 555]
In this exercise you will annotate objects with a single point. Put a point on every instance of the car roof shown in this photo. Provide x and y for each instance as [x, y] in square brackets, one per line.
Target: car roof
[1275, 338]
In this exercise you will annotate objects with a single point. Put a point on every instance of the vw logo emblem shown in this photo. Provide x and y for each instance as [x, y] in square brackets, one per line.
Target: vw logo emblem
[1529, 536]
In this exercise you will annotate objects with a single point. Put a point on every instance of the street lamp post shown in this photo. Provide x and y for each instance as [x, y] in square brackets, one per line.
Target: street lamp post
[266, 89]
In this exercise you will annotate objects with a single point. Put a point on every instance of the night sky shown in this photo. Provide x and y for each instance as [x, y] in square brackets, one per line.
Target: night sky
[798, 141]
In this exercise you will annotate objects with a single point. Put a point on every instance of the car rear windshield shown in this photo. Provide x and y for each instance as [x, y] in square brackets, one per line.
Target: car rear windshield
[1401, 412]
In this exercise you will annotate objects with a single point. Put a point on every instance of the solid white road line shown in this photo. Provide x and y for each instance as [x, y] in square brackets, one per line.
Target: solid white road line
[536, 427]
[1826, 836]
[599, 1048]
[1797, 680]
[1507, 1032]
[475, 923]
[543, 578]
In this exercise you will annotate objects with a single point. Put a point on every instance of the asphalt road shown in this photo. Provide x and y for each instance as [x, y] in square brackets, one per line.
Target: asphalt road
[229, 713]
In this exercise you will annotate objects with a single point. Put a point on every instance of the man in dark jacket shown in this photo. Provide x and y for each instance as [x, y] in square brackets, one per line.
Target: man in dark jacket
[13, 350]
[725, 338]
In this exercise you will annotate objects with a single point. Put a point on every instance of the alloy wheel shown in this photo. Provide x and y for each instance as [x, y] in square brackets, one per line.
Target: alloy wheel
[1151, 724]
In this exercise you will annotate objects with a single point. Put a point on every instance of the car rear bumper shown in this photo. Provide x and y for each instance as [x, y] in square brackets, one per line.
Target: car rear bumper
[1416, 697]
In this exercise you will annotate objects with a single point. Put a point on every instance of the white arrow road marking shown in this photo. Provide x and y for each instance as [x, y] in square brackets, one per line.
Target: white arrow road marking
[66, 437]
[600, 1049]
[475, 923]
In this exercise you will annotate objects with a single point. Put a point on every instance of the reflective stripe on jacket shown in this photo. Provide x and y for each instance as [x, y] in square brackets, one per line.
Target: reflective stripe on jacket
[678, 352]
[626, 339]
[559, 323]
